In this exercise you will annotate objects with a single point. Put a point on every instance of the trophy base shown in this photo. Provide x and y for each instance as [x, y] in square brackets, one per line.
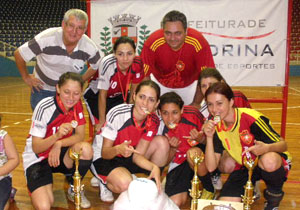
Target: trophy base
[218, 205]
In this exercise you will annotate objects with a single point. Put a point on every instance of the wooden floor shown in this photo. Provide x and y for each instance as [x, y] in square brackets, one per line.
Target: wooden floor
[16, 115]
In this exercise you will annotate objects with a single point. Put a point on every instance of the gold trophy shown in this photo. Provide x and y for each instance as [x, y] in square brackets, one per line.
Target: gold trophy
[195, 192]
[77, 187]
[248, 197]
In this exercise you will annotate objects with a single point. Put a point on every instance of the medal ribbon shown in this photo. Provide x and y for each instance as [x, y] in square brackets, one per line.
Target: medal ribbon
[124, 95]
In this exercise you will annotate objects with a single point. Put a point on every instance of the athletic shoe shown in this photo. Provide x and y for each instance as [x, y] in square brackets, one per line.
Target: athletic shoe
[207, 195]
[105, 194]
[85, 203]
[272, 200]
[217, 181]
[94, 182]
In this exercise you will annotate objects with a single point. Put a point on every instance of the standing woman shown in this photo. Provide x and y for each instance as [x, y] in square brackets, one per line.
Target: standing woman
[127, 145]
[244, 133]
[58, 126]
[119, 74]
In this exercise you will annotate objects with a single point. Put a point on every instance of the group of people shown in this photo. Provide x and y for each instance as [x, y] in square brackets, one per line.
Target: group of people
[150, 112]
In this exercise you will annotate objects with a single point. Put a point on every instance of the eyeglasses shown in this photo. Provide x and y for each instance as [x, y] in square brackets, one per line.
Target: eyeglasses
[72, 27]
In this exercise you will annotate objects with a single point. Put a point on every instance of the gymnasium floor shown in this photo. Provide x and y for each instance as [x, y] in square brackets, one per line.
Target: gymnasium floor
[16, 118]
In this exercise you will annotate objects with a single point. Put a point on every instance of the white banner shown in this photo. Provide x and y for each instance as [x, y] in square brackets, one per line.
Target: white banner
[247, 37]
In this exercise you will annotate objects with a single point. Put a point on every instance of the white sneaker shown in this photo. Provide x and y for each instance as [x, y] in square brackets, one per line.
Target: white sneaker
[105, 194]
[94, 182]
[217, 182]
[85, 203]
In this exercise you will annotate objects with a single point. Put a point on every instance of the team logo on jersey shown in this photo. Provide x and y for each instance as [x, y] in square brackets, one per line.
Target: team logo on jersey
[149, 134]
[123, 25]
[246, 137]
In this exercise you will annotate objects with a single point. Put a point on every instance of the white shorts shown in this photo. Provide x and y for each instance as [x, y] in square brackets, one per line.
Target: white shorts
[187, 93]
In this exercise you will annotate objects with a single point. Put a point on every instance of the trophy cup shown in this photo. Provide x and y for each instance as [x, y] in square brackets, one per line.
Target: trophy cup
[195, 193]
[248, 197]
[77, 187]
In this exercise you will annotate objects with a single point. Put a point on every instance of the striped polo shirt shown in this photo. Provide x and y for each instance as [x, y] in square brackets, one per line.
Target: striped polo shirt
[53, 59]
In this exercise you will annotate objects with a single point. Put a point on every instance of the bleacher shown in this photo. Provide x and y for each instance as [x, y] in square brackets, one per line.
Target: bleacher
[21, 20]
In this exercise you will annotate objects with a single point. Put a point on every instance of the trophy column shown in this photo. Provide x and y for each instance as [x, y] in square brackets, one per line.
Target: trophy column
[77, 188]
[248, 197]
[195, 192]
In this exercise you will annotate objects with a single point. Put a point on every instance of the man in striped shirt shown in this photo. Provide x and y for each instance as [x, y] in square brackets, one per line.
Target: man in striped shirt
[57, 50]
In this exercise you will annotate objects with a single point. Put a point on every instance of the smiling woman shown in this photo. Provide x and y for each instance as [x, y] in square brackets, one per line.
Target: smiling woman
[127, 143]
[57, 127]
[119, 74]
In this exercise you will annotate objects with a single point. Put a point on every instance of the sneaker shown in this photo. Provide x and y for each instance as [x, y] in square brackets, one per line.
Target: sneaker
[216, 181]
[105, 194]
[207, 195]
[94, 182]
[272, 200]
[85, 203]
[256, 191]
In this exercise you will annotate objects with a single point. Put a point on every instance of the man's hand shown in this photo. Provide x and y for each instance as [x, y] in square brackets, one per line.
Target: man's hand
[54, 154]
[33, 82]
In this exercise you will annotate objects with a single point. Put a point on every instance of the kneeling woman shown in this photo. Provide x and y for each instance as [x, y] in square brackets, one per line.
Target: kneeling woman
[58, 126]
[181, 126]
[127, 145]
[244, 132]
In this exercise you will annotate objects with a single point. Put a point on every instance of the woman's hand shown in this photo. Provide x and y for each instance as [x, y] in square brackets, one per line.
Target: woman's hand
[259, 148]
[173, 141]
[209, 128]
[63, 130]
[197, 135]
[155, 173]
[126, 150]
[54, 154]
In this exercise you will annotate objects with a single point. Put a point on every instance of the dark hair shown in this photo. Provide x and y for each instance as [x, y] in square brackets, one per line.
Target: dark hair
[123, 40]
[149, 83]
[220, 88]
[210, 72]
[70, 76]
[170, 97]
[173, 16]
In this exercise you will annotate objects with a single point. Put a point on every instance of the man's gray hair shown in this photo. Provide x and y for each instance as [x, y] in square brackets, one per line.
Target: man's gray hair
[78, 14]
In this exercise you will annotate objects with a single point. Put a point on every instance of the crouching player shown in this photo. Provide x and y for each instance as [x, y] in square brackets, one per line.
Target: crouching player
[181, 126]
[57, 127]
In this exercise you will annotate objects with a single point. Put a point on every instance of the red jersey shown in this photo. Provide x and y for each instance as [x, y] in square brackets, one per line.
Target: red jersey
[191, 118]
[120, 126]
[115, 82]
[160, 60]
